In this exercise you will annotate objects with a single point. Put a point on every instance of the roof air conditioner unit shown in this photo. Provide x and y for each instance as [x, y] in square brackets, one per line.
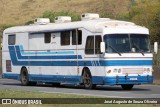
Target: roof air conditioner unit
[62, 19]
[89, 16]
[41, 21]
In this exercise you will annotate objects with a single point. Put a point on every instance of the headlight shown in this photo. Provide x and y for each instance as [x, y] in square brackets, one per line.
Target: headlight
[115, 70]
[148, 70]
[119, 70]
[145, 70]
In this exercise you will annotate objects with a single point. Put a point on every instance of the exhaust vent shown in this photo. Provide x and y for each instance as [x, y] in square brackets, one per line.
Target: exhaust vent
[62, 19]
[89, 16]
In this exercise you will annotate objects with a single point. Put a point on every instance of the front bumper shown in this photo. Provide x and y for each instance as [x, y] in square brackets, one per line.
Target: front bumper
[137, 80]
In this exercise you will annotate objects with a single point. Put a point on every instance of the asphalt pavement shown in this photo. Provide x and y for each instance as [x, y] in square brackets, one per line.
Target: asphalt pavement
[139, 91]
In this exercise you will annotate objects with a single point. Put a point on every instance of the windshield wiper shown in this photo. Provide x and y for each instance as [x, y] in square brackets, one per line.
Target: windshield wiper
[139, 49]
[115, 50]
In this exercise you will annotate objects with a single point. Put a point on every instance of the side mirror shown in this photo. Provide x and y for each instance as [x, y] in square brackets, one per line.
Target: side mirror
[155, 47]
[102, 47]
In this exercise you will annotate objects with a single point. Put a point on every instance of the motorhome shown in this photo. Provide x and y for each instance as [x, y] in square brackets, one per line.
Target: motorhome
[90, 52]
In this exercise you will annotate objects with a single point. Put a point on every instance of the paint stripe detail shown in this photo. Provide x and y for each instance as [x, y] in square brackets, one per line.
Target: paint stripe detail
[17, 58]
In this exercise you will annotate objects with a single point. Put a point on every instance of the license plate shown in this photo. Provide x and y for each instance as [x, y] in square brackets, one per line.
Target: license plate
[133, 79]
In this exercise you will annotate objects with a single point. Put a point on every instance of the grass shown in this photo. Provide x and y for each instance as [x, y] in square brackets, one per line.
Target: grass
[6, 93]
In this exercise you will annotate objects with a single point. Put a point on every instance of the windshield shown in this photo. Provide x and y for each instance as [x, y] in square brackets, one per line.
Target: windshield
[127, 43]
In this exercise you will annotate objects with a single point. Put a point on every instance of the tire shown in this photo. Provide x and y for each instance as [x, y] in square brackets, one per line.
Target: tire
[127, 86]
[87, 80]
[24, 78]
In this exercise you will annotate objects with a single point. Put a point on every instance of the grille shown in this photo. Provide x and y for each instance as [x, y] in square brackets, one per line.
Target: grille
[133, 70]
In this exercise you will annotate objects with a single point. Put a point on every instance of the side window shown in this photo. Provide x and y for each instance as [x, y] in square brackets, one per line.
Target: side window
[47, 37]
[98, 40]
[79, 39]
[65, 38]
[11, 39]
[89, 45]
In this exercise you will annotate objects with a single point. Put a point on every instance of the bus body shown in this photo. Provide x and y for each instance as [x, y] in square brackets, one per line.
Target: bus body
[69, 52]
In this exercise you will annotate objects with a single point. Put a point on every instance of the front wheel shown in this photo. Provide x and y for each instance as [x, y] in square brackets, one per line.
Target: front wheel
[127, 86]
[87, 80]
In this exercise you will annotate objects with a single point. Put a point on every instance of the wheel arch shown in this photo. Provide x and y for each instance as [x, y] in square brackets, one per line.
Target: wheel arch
[23, 67]
[86, 69]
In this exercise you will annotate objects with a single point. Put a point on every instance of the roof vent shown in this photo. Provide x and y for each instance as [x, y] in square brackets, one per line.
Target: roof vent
[89, 16]
[62, 19]
[41, 21]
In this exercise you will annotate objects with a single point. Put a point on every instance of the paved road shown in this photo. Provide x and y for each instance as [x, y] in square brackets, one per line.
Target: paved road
[139, 91]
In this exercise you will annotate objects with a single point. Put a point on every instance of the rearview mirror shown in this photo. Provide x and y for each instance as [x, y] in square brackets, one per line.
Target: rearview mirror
[155, 47]
[102, 47]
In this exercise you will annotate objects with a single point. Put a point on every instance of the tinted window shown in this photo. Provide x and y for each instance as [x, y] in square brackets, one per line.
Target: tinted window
[11, 39]
[47, 37]
[127, 43]
[89, 45]
[79, 39]
[98, 40]
[65, 38]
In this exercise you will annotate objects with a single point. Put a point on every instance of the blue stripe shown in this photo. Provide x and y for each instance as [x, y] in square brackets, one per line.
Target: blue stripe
[118, 80]
[27, 62]
[127, 62]
[114, 80]
[55, 78]
[40, 53]
[45, 57]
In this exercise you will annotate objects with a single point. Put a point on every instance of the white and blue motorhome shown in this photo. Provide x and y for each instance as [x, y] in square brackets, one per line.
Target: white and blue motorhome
[93, 51]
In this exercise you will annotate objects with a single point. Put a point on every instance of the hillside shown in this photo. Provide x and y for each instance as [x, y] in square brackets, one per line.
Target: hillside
[17, 12]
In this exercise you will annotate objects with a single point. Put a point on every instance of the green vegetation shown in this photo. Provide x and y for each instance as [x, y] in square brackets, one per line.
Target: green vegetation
[147, 13]
[52, 15]
[5, 93]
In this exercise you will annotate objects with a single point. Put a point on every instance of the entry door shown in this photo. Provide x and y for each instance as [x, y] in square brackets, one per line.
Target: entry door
[92, 54]
[55, 52]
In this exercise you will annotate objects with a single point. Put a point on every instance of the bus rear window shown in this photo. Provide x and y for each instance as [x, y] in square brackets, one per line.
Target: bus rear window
[11, 39]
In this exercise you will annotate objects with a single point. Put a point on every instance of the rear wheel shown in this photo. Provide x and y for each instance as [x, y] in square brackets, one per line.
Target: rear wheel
[24, 78]
[127, 86]
[87, 80]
